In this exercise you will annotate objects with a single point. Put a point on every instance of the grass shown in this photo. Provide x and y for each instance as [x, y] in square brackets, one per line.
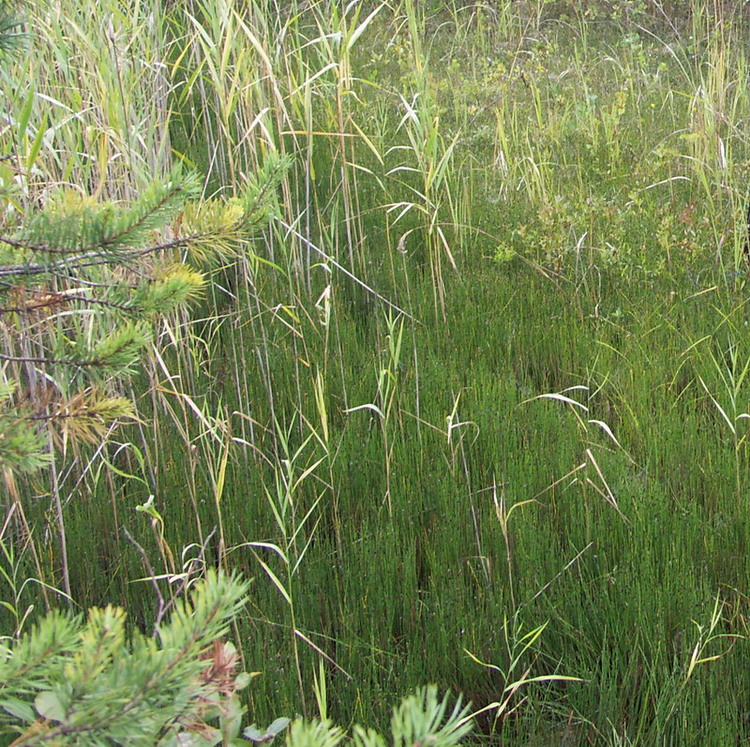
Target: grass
[550, 449]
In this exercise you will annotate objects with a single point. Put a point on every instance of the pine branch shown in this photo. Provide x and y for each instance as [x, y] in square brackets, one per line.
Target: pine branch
[73, 223]
[22, 448]
[93, 687]
[21, 244]
[47, 300]
[72, 362]
[155, 207]
[117, 352]
[50, 303]
[101, 248]
[69, 224]
[92, 259]
[260, 189]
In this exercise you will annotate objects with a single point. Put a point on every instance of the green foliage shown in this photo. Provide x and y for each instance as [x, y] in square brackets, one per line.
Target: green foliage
[85, 281]
[11, 38]
[219, 230]
[71, 223]
[599, 152]
[314, 734]
[420, 719]
[174, 287]
[118, 351]
[19, 444]
[75, 682]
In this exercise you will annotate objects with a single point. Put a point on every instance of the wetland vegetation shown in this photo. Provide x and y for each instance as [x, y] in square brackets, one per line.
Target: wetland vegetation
[469, 404]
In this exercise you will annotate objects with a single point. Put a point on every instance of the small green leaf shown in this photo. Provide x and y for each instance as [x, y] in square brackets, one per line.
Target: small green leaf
[278, 726]
[19, 709]
[25, 115]
[48, 706]
[231, 721]
[242, 680]
[36, 146]
[252, 733]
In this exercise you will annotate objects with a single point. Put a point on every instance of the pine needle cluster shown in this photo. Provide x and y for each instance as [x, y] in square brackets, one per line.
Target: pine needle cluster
[84, 682]
[82, 284]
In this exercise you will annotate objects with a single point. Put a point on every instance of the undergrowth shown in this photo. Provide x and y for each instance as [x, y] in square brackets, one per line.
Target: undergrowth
[473, 409]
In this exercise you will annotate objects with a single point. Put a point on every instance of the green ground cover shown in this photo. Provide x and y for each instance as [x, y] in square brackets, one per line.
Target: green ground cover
[513, 449]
